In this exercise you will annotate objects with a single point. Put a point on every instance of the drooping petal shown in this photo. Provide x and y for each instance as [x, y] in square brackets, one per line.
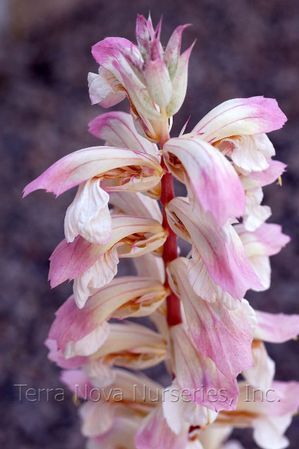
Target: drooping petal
[56, 355]
[77, 332]
[220, 248]
[223, 335]
[82, 165]
[255, 214]
[88, 215]
[276, 328]
[240, 116]
[117, 129]
[99, 274]
[111, 48]
[268, 176]
[214, 183]
[198, 376]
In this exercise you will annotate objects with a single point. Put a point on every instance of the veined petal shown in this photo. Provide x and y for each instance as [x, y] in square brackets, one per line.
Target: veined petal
[276, 328]
[105, 89]
[179, 83]
[117, 129]
[99, 274]
[88, 215]
[198, 375]
[223, 335]
[220, 248]
[151, 266]
[240, 116]
[82, 165]
[214, 183]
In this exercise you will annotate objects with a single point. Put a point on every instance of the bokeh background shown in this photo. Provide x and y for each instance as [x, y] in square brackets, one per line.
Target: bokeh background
[243, 48]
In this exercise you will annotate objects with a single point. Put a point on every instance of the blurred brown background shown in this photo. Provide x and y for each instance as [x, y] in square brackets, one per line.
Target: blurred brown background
[243, 48]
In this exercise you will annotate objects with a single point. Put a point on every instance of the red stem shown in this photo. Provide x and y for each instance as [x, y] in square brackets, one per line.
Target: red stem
[170, 248]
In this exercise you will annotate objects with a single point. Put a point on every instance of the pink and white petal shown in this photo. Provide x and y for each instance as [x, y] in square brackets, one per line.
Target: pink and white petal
[70, 260]
[105, 89]
[220, 248]
[276, 328]
[88, 215]
[205, 171]
[98, 275]
[261, 374]
[270, 175]
[156, 434]
[240, 116]
[97, 418]
[198, 376]
[78, 382]
[78, 332]
[179, 82]
[106, 51]
[87, 163]
[117, 129]
[272, 238]
[57, 356]
[212, 437]
[181, 413]
[225, 336]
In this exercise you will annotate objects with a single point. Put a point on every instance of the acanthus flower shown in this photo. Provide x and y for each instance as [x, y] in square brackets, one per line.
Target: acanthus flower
[201, 326]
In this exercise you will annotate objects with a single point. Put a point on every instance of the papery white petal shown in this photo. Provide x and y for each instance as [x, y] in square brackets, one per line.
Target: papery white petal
[88, 215]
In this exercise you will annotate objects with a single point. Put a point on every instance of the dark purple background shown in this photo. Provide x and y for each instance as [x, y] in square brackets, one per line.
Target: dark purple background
[243, 48]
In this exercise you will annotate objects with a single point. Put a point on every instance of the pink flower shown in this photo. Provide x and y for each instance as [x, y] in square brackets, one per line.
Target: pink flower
[154, 80]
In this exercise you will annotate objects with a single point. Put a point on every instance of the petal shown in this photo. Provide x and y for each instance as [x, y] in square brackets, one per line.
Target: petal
[158, 82]
[105, 89]
[82, 165]
[136, 204]
[179, 83]
[97, 418]
[118, 130]
[223, 335]
[114, 48]
[276, 328]
[156, 434]
[198, 376]
[181, 414]
[220, 248]
[271, 237]
[57, 356]
[77, 332]
[88, 215]
[255, 214]
[268, 433]
[250, 153]
[69, 260]
[78, 382]
[261, 374]
[270, 175]
[151, 266]
[206, 171]
[173, 49]
[98, 275]
[240, 116]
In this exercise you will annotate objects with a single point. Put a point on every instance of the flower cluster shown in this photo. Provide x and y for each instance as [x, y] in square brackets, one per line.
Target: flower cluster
[210, 338]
